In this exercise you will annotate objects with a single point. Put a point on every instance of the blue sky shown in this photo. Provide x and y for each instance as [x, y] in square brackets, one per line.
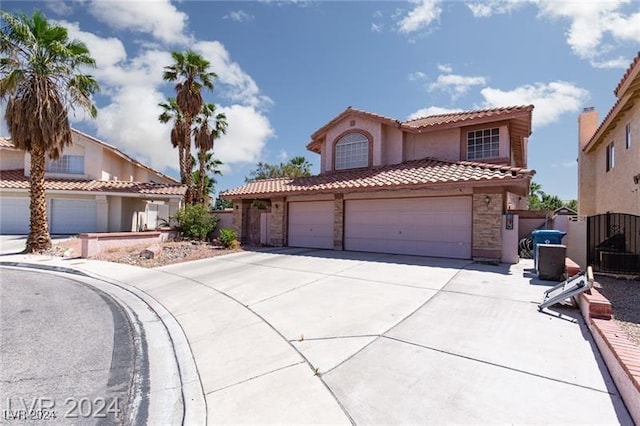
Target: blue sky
[287, 67]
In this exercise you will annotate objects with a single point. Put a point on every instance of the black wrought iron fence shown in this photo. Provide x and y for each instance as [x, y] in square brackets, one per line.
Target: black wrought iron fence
[613, 243]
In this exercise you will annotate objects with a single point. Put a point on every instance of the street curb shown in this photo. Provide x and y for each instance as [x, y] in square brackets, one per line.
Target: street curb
[193, 400]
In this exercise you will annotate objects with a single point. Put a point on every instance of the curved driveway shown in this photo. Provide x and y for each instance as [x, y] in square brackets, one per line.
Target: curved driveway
[313, 336]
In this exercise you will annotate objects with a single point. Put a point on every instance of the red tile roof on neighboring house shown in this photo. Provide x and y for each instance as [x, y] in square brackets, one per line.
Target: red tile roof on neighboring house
[15, 179]
[627, 73]
[417, 173]
[7, 143]
[458, 117]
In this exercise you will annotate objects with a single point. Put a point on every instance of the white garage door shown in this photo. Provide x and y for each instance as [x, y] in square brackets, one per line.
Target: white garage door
[14, 215]
[439, 226]
[311, 224]
[73, 216]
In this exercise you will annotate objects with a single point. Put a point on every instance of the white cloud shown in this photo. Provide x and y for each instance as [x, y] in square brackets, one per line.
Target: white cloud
[456, 84]
[240, 87]
[591, 22]
[416, 76]
[238, 16]
[59, 7]
[446, 68]
[4, 130]
[156, 17]
[432, 110]
[493, 7]
[377, 28]
[421, 16]
[377, 14]
[551, 100]
[246, 136]
[619, 62]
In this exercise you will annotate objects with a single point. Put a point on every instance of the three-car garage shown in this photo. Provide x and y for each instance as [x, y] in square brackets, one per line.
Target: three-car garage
[425, 226]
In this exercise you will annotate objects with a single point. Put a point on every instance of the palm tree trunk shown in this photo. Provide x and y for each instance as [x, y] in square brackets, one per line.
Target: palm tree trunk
[39, 239]
[188, 166]
[202, 160]
[181, 163]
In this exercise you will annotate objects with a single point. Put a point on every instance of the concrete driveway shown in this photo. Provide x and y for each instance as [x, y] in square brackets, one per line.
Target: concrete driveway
[392, 339]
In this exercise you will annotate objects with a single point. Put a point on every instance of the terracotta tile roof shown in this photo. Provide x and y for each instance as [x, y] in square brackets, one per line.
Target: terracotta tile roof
[627, 73]
[7, 143]
[417, 173]
[458, 117]
[15, 179]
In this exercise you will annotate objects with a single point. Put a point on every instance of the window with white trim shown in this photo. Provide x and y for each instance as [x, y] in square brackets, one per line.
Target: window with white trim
[483, 144]
[69, 164]
[627, 136]
[611, 156]
[352, 151]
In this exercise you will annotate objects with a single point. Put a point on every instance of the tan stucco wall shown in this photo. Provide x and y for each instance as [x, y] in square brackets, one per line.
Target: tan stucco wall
[392, 148]
[444, 144]
[11, 159]
[614, 191]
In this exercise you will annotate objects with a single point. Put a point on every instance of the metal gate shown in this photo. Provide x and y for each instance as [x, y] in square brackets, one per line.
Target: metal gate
[613, 243]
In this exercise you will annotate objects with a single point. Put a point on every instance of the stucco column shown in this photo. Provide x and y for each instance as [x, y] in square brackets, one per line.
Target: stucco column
[102, 208]
[338, 222]
[277, 222]
[174, 206]
[487, 226]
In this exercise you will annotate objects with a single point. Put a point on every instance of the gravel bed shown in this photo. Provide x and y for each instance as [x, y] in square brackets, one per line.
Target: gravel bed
[624, 296]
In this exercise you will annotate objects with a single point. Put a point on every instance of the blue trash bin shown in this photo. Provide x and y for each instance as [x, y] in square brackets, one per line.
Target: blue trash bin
[545, 236]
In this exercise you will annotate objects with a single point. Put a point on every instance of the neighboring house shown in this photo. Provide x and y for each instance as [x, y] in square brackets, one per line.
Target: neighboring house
[609, 154]
[92, 187]
[434, 186]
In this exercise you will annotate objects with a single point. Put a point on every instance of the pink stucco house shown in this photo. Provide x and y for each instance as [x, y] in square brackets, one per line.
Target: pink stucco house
[93, 187]
[609, 152]
[433, 186]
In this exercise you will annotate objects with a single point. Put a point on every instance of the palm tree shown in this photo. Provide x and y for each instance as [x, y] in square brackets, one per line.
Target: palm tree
[40, 80]
[212, 167]
[190, 72]
[171, 112]
[204, 140]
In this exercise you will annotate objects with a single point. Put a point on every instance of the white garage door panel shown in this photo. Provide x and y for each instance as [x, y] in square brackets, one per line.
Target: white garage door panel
[14, 215]
[423, 226]
[73, 216]
[311, 224]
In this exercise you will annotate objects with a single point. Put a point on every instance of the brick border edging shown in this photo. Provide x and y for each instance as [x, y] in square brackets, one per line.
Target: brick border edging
[620, 355]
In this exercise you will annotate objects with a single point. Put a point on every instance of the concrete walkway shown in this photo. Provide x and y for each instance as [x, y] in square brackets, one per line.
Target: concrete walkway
[304, 336]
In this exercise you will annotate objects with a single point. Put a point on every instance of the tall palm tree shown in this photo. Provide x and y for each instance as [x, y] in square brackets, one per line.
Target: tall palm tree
[40, 79]
[205, 137]
[191, 73]
[171, 112]
[212, 167]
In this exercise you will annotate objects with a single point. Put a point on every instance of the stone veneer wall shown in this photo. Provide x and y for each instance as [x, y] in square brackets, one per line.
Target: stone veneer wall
[278, 213]
[487, 226]
[338, 223]
[238, 216]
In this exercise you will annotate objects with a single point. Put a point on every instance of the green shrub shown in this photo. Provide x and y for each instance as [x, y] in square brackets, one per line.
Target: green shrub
[228, 238]
[196, 222]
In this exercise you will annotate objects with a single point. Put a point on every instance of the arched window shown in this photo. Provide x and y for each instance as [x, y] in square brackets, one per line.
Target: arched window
[352, 151]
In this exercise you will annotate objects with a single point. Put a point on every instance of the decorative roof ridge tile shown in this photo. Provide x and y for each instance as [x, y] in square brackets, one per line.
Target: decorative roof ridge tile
[626, 74]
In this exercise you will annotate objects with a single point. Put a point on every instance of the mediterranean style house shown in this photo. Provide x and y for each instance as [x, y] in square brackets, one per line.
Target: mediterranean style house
[609, 153]
[435, 186]
[92, 187]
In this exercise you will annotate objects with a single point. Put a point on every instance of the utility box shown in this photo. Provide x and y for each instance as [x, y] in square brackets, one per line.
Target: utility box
[551, 261]
[545, 236]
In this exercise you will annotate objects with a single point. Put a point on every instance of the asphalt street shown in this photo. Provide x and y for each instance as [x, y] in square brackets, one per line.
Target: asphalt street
[68, 353]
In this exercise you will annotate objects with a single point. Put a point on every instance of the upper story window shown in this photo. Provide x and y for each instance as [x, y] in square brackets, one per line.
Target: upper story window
[627, 136]
[352, 151]
[482, 144]
[611, 156]
[69, 164]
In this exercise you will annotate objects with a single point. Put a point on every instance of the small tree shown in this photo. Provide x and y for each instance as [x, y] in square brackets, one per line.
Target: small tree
[196, 221]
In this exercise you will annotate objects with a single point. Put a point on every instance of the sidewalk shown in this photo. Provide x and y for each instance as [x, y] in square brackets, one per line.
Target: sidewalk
[246, 371]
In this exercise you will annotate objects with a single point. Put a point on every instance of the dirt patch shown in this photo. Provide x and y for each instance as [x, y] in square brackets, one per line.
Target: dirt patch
[168, 253]
[624, 296]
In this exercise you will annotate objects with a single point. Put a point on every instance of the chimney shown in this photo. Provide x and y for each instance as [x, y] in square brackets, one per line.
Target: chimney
[587, 126]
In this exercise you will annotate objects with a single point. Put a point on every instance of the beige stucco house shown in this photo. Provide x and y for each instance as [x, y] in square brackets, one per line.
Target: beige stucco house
[609, 153]
[93, 187]
[434, 186]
